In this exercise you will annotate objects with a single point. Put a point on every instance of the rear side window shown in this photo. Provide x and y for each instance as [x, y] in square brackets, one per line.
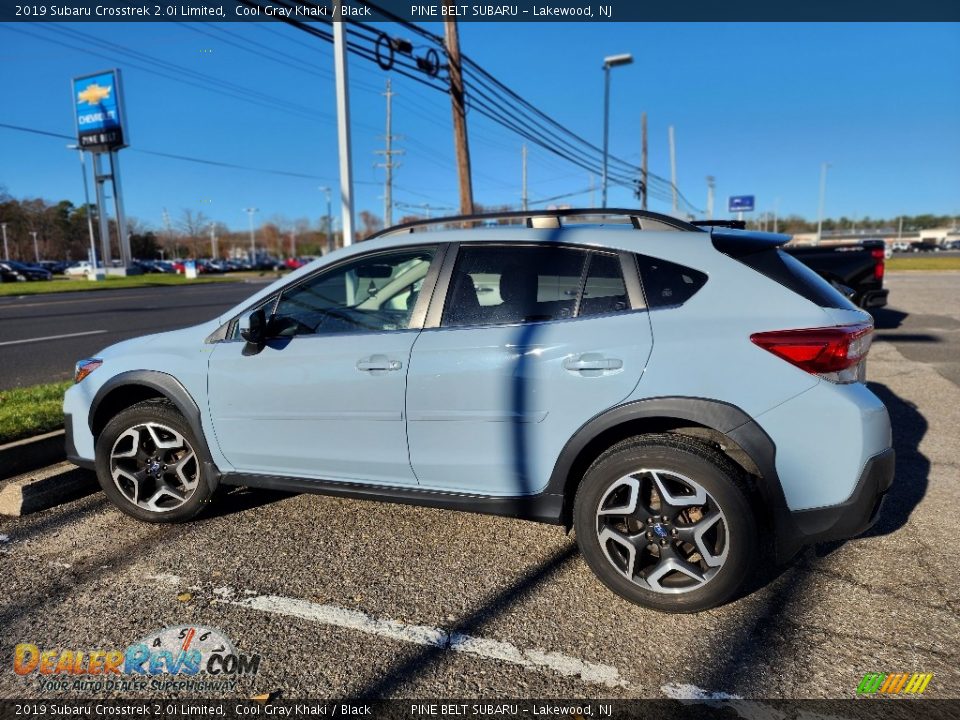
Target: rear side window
[785, 269]
[503, 285]
[667, 284]
[604, 290]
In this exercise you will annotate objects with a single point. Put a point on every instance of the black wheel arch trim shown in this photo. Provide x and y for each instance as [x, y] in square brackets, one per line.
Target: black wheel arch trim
[541, 507]
[174, 391]
[725, 418]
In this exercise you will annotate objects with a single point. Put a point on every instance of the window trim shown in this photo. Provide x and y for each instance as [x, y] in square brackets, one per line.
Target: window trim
[628, 266]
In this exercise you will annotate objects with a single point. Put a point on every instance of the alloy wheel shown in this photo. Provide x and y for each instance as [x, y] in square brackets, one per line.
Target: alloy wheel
[662, 531]
[154, 467]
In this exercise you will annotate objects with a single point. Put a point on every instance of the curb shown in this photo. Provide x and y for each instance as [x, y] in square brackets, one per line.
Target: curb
[44, 489]
[31, 453]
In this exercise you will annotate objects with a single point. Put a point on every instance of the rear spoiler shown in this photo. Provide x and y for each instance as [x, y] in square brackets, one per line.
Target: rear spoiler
[737, 243]
[733, 224]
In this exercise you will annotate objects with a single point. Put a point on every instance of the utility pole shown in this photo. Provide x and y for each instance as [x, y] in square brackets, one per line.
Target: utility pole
[169, 231]
[523, 191]
[673, 170]
[388, 162]
[293, 243]
[36, 250]
[461, 143]
[776, 214]
[6, 248]
[253, 238]
[343, 120]
[823, 194]
[643, 161]
[593, 192]
[711, 184]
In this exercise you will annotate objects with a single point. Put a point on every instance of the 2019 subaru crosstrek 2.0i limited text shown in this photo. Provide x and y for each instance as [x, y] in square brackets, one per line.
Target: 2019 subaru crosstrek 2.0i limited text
[689, 401]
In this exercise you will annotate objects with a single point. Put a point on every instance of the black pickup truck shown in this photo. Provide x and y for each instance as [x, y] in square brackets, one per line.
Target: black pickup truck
[855, 269]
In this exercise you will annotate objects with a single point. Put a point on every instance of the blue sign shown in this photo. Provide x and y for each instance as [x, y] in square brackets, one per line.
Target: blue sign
[98, 111]
[741, 203]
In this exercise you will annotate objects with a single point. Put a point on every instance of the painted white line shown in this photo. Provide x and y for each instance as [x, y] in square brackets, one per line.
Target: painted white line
[534, 658]
[335, 616]
[52, 337]
[679, 691]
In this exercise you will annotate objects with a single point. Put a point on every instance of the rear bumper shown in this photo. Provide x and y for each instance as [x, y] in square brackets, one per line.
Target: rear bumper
[846, 520]
[874, 298]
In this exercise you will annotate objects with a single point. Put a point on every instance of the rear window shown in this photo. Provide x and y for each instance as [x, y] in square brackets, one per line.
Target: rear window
[785, 269]
[667, 284]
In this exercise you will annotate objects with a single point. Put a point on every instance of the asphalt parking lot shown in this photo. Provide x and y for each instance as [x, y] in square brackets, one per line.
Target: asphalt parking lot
[350, 598]
[44, 335]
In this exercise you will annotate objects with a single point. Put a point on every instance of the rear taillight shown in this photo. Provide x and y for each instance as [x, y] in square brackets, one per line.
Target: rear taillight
[879, 257]
[833, 353]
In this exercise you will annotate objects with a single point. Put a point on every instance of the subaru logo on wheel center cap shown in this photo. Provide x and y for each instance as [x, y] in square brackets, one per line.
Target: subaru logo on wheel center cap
[660, 530]
[154, 466]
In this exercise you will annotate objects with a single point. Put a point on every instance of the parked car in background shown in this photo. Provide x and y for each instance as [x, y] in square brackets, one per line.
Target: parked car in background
[80, 268]
[54, 266]
[8, 274]
[29, 272]
[856, 269]
[692, 402]
[295, 263]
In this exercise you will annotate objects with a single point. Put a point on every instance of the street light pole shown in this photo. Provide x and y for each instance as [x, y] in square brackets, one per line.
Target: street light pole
[823, 195]
[6, 249]
[36, 250]
[253, 238]
[608, 62]
[330, 246]
[86, 199]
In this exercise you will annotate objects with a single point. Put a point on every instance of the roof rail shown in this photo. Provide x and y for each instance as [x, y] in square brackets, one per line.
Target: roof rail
[539, 218]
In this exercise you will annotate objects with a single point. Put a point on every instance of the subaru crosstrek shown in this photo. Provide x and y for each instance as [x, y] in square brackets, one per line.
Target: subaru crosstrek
[689, 400]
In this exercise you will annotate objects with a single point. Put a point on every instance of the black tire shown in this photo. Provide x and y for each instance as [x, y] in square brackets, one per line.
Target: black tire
[727, 491]
[162, 413]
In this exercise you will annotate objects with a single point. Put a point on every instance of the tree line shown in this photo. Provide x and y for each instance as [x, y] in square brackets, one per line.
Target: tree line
[62, 231]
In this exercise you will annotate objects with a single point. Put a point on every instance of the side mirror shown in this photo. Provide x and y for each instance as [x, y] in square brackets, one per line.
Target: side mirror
[253, 328]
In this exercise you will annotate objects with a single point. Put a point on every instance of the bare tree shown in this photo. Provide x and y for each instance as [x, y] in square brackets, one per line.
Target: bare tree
[194, 225]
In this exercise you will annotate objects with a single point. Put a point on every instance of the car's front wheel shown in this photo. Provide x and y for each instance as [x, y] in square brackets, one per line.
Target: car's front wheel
[664, 521]
[147, 464]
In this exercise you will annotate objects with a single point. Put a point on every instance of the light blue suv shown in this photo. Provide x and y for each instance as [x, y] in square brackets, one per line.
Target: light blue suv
[687, 399]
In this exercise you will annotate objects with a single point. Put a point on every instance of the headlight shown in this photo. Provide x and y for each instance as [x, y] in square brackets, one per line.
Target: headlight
[85, 367]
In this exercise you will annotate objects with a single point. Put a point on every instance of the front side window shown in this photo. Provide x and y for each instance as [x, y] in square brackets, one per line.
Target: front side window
[498, 285]
[370, 294]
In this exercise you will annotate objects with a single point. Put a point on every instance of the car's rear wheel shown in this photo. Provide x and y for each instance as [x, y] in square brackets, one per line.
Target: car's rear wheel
[147, 464]
[665, 522]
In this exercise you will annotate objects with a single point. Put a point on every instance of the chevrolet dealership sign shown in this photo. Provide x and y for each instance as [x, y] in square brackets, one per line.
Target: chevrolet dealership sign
[98, 111]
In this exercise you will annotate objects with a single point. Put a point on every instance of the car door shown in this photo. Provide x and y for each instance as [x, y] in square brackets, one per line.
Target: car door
[326, 400]
[531, 342]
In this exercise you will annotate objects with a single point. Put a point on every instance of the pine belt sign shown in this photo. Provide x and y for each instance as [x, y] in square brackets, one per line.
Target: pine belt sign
[740, 203]
[98, 111]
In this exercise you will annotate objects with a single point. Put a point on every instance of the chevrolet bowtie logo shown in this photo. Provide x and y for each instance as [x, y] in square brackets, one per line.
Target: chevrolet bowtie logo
[93, 94]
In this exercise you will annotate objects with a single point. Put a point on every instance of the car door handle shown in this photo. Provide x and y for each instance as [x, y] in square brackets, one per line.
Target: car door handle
[591, 362]
[378, 362]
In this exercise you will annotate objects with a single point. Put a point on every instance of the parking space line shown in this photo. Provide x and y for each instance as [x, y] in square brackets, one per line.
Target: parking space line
[486, 648]
[335, 616]
[52, 337]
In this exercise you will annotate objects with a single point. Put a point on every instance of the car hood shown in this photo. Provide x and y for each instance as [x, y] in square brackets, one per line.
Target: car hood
[177, 340]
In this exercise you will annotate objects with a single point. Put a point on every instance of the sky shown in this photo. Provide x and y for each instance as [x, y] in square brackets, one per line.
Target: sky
[758, 106]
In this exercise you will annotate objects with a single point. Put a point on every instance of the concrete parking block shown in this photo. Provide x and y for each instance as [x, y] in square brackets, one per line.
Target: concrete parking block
[31, 453]
[45, 488]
